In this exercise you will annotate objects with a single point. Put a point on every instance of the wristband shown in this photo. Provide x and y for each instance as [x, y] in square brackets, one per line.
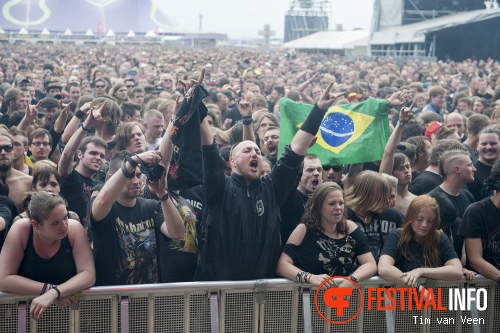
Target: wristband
[400, 123]
[352, 277]
[125, 172]
[132, 162]
[313, 120]
[58, 292]
[299, 276]
[247, 122]
[165, 197]
[79, 114]
[44, 289]
[85, 129]
[247, 117]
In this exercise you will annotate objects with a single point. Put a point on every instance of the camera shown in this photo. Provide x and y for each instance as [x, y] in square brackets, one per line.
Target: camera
[153, 173]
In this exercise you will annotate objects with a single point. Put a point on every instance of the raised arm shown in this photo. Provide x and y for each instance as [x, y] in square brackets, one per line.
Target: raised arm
[306, 98]
[65, 166]
[75, 122]
[306, 135]
[111, 190]
[61, 120]
[387, 163]
[173, 225]
[245, 109]
[29, 115]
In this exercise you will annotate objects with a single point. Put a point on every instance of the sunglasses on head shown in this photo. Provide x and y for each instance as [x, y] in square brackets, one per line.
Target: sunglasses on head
[336, 168]
[7, 148]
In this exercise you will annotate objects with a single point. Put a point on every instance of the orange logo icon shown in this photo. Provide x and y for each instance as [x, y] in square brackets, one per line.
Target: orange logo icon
[338, 299]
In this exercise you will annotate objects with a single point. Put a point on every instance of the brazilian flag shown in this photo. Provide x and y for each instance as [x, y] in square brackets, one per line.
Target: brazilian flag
[351, 133]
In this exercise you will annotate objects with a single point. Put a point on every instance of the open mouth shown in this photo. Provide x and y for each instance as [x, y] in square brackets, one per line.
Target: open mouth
[315, 183]
[254, 165]
[272, 149]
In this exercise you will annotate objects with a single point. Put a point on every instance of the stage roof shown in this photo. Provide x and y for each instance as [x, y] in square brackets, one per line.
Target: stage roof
[331, 40]
[416, 32]
[100, 16]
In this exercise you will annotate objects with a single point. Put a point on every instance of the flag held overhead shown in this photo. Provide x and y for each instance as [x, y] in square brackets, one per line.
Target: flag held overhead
[352, 133]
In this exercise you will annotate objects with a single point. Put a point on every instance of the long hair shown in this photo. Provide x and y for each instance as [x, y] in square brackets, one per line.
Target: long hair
[312, 214]
[431, 240]
[368, 193]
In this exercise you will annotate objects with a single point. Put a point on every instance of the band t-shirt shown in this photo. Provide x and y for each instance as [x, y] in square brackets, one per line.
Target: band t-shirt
[125, 243]
[77, 190]
[482, 220]
[379, 227]
[320, 254]
[416, 250]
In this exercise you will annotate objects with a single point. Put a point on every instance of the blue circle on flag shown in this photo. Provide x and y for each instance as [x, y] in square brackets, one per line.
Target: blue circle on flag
[336, 129]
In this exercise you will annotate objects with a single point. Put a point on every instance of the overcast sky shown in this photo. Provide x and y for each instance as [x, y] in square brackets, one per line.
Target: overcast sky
[240, 19]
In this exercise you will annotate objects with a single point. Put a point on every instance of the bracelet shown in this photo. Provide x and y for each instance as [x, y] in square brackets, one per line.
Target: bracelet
[140, 159]
[299, 276]
[44, 289]
[400, 123]
[306, 277]
[247, 122]
[79, 114]
[58, 292]
[352, 277]
[131, 161]
[85, 129]
[247, 117]
[125, 172]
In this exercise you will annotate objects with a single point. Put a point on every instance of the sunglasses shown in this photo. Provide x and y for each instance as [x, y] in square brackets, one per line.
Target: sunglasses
[336, 168]
[7, 148]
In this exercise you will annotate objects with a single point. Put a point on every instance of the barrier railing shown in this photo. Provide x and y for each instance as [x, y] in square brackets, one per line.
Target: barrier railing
[241, 306]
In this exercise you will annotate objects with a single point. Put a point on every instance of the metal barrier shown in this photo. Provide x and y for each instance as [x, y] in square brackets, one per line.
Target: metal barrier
[235, 306]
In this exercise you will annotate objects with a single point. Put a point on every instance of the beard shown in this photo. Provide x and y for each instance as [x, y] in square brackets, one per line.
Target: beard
[5, 166]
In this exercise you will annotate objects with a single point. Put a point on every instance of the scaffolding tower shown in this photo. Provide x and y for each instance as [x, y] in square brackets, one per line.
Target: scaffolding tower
[306, 17]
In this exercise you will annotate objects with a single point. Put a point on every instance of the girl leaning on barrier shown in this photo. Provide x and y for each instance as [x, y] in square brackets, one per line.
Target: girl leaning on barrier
[46, 254]
[419, 249]
[326, 243]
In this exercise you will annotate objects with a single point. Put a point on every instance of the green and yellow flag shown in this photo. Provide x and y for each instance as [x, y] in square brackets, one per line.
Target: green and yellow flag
[351, 133]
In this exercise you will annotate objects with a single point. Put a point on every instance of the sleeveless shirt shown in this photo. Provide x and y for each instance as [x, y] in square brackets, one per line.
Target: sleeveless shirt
[55, 270]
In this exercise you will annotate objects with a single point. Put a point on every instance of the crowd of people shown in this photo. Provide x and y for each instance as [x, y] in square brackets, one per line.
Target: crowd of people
[131, 165]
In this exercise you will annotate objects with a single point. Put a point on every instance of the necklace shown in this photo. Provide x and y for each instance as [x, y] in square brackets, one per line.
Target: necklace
[363, 217]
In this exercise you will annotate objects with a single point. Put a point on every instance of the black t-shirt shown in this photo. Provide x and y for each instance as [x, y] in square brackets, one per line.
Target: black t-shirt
[77, 190]
[291, 213]
[426, 182]
[379, 227]
[177, 258]
[474, 156]
[194, 196]
[487, 96]
[461, 202]
[391, 249]
[320, 254]
[125, 243]
[482, 220]
[475, 187]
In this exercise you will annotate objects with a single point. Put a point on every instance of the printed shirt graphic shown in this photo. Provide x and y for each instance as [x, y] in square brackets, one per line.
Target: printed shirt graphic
[138, 252]
[125, 244]
[379, 228]
[188, 242]
[352, 133]
[320, 254]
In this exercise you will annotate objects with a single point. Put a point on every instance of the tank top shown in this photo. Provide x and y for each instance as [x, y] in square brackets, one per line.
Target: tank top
[55, 270]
